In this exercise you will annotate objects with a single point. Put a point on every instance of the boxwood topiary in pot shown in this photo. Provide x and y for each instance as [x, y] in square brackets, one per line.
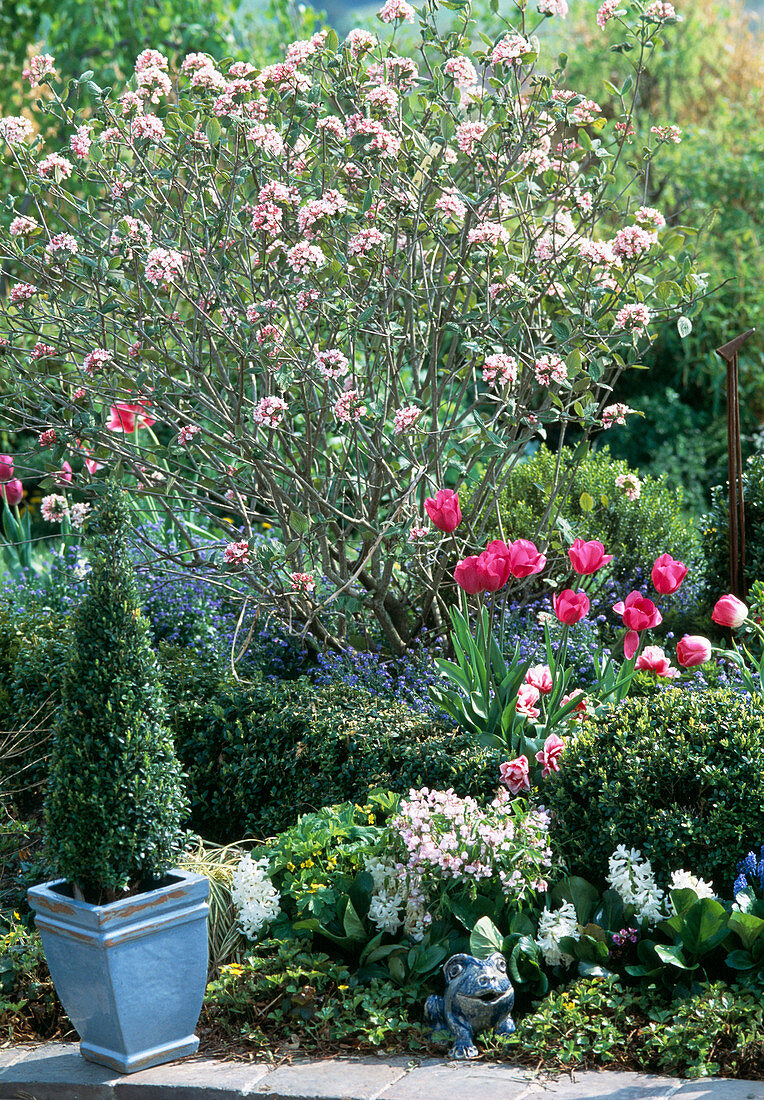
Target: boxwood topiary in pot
[124, 933]
[677, 776]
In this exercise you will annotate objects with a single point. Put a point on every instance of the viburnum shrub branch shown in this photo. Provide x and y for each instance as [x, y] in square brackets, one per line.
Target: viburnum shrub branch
[315, 294]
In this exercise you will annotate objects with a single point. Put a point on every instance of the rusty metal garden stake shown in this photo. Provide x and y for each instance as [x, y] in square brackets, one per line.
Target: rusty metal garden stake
[728, 352]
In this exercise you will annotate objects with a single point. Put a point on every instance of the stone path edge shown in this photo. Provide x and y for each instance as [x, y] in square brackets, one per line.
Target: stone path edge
[56, 1071]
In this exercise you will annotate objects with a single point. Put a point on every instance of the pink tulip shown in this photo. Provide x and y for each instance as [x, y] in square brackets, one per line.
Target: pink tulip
[527, 697]
[540, 677]
[693, 649]
[125, 417]
[515, 774]
[524, 558]
[550, 754]
[729, 611]
[667, 574]
[569, 606]
[64, 475]
[493, 565]
[580, 709]
[444, 510]
[13, 491]
[653, 659]
[638, 612]
[630, 644]
[588, 557]
[6, 467]
[467, 575]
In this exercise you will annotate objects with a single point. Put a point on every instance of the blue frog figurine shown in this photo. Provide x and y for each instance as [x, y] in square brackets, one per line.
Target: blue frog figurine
[479, 995]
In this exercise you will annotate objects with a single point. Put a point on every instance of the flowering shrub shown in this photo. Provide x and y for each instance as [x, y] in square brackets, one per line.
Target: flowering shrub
[327, 286]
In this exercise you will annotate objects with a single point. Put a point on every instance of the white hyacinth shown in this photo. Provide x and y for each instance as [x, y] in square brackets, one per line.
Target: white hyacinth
[396, 901]
[553, 925]
[255, 898]
[632, 878]
[685, 880]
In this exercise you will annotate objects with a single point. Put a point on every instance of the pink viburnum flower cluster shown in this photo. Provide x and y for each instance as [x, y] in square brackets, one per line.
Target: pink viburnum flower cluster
[500, 370]
[96, 360]
[269, 411]
[236, 553]
[164, 266]
[15, 128]
[405, 419]
[39, 66]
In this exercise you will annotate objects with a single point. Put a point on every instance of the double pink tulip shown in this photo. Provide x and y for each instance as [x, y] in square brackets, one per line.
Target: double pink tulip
[653, 659]
[667, 574]
[569, 606]
[540, 677]
[588, 557]
[444, 511]
[515, 773]
[550, 754]
[527, 697]
[729, 611]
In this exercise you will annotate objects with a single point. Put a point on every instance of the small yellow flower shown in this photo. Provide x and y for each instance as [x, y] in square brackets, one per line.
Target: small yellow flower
[371, 819]
[291, 866]
[343, 987]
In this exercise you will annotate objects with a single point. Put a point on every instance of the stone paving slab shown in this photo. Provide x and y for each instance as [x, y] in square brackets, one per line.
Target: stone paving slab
[56, 1071]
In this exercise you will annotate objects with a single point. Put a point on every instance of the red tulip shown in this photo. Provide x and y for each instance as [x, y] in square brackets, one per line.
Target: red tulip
[570, 607]
[125, 417]
[468, 576]
[494, 565]
[444, 510]
[693, 649]
[12, 490]
[668, 574]
[6, 467]
[729, 611]
[524, 558]
[588, 557]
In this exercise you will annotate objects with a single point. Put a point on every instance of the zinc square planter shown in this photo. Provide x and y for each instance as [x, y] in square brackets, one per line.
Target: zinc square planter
[132, 974]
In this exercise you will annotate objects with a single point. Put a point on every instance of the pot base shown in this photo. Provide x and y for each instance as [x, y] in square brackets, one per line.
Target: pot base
[115, 1059]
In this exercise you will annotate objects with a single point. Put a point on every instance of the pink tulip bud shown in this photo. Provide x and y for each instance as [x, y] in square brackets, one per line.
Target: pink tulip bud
[64, 475]
[13, 491]
[630, 644]
[515, 774]
[588, 557]
[569, 606]
[467, 575]
[693, 649]
[524, 558]
[668, 574]
[729, 611]
[444, 510]
[6, 467]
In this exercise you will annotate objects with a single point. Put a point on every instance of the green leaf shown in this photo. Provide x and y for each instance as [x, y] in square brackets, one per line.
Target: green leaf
[684, 326]
[485, 938]
[213, 130]
[577, 890]
[673, 956]
[586, 502]
[704, 926]
[352, 923]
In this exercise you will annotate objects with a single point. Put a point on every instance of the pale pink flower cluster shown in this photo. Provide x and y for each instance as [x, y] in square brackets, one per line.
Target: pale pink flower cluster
[269, 411]
[47, 438]
[298, 52]
[510, 49]
[365, 241]
[150, 75]
[275, 191]
[54, 163]
[303, 582]
[394, 69]
[42, 351]
[468, 134]
[147, 128]
[54, 508]
[15, 128]
[388, 145]
[396, 9]
[22, 292]
[553, 7]
[60, 247]
[131, 231]
[303, 298]
[600, 253]
[633, 241]
[606, 12]
[416, 533]
[630, 485]
[585, 112]
[272, 337]
[78, 513]
[96, 360]
[615, 414]
[236, 553]
[462, 71]
[500, 370]
[492, 233]
[348, 408]
[193, 62]
[266, 137]
[164, 266]
[649, 216]
[659, 11]
[635, 317]
[452, 838]
[667, 133]
[334, 126]
[304, 257]
[40, 65]
[549, 369]
[405, 419]
[383, 99]
[330, 203]
[332, 364]
[449, 203]
[360, 42]
[209, 78]
[80, 142]
[187, 432]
